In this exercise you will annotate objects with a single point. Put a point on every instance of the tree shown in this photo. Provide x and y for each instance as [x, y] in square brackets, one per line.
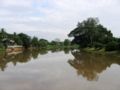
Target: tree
[2, 45]
[26, 40]
[67, 42]
[17, 39]
[89, 32]
[118, 42]
[35, 42]
[111, 46]
[43, 43]
[3, 34]
[53, 43]
[56, 42]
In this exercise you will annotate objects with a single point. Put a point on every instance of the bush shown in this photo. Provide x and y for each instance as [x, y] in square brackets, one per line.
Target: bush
[2, 46]
[118, 40]
[98, 45]
[111, 46]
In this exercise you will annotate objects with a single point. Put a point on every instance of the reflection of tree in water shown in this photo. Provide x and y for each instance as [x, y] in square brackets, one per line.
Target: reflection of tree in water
[66, 50]
[56, 50]
[23, 57]
[90, 65]
[2, 61]
[43, 51]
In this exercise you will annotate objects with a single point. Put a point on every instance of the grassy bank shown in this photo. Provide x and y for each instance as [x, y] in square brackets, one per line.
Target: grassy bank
[2, 50]
[99, 51]
[49, 47]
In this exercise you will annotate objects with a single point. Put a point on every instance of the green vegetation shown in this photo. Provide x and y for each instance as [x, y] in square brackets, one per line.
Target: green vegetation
[27, 42]
[91, 34]
[1, 47]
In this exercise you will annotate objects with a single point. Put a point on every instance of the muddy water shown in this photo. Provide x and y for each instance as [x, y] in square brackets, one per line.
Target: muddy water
[63, 70]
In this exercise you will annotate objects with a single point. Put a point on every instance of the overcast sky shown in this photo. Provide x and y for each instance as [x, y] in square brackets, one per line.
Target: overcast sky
[52, 19]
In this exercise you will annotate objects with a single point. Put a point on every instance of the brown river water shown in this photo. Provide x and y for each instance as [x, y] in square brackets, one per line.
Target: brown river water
[59, 70]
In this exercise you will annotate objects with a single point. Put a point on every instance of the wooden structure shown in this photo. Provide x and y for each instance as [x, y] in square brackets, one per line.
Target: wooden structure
[14, 48]
[11, 46]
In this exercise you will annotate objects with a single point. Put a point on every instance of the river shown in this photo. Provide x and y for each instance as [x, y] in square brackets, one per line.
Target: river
[59, 70]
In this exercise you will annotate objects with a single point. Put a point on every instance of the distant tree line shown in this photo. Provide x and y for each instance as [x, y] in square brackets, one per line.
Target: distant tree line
[34, 42]
[90, 33]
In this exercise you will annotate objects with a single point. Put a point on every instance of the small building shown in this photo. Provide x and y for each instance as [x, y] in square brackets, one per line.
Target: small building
[8, 42]
[14, 48]
[11, 46]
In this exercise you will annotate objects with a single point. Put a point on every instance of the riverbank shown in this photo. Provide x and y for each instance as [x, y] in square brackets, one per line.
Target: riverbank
[49, 47]
[99, 51]
[2, 50]
[15, 48]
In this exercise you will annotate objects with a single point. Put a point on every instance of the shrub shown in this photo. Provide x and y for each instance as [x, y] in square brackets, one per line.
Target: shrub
[111, 46]
[98, 45]
[1, 46]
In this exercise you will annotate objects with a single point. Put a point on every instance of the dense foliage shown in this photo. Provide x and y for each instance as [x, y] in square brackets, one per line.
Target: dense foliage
[28, 42]
[90, 33]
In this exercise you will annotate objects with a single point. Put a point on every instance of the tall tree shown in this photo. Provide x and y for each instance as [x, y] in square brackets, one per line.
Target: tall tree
[26, 40]
[67, 42]
[43, 43]
[89, 32]
[35, 42]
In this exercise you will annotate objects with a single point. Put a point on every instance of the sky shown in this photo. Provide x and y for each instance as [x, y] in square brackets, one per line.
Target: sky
[51, 19]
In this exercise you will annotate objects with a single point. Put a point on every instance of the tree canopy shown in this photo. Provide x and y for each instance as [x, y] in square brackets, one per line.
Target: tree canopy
[29, 42]
[90, 33]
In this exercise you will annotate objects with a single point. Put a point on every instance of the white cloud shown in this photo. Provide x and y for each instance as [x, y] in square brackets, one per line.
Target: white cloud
[56, 16]
[8, 3]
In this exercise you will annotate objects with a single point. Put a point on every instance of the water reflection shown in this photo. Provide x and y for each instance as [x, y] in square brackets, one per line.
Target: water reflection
[24, 57]
[21, 57]
[91, 65]
[66, 50]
